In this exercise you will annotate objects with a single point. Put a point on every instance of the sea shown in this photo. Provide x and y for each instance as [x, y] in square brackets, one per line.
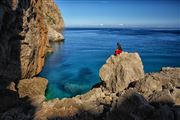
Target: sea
[73, 68]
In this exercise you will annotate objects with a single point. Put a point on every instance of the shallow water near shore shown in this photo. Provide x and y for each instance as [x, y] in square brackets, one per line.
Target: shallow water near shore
[74, 66]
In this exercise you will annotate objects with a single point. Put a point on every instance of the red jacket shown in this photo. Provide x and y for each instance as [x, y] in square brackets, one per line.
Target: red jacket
[117, 51]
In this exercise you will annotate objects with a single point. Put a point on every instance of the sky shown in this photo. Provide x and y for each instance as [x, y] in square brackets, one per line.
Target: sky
[120, 13]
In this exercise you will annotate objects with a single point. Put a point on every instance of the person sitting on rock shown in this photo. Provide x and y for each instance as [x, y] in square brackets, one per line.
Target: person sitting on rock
[118, 49]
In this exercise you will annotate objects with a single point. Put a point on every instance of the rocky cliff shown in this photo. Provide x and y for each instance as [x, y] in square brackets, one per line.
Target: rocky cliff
[24, 36]
[126, 93]
[54, 21]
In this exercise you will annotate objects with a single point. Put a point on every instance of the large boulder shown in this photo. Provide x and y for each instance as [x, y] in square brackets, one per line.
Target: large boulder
[119, 71]
[32, 87]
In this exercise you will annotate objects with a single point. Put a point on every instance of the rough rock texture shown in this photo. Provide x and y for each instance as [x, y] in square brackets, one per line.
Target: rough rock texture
[22, 105]
[23, 36]
[54, 21]
[167, 80]
[23, 45]
[121, 70]
[124, 93]
[154, 97]
[54, 36]
[32, 87]
[24, 26]
[53, 15]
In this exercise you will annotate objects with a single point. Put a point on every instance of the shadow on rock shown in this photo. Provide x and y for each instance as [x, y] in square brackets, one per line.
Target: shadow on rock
[14, 108]
[129, 106]
[14, 57]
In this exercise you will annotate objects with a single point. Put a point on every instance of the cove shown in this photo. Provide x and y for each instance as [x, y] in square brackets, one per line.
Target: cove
[73, 68]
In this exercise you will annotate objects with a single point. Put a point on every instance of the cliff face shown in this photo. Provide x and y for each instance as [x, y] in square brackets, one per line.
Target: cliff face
[24, 36]
[52, 15]
[124, 94]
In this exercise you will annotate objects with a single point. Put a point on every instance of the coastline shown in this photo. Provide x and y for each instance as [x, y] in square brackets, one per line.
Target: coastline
[124, 93]
[146, 93]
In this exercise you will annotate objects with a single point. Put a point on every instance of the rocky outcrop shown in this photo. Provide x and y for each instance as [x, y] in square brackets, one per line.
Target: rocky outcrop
[54, 36]
[154, 96]
[23, 46]
[23, 35]
[120, 71]
[26, 26]
[165, 83]
[32, 87]
[54, 21]
[124, 94]
[53, 15]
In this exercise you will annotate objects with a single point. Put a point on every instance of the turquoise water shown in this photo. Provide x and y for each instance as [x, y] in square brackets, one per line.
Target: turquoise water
[73, 67]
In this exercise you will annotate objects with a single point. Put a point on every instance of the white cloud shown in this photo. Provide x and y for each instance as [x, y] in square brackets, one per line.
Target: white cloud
[121, 24]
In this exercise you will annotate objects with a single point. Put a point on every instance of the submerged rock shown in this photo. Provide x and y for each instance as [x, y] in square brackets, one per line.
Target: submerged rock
[121, 70]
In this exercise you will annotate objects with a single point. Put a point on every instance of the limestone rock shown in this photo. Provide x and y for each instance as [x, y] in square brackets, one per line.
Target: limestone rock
[148, 85]
[100, 103]
[53, 15]
[131, 105]
[173, 74]
[166, 80]
[32, 87]
[176, 96]
[12, 86]
[23, 36]
[54, 36]
[58, 108]
[54, 21]
[162, 97]
[121, 70]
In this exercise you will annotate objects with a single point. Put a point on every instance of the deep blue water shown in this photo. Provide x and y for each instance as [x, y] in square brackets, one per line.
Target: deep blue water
[73, 67]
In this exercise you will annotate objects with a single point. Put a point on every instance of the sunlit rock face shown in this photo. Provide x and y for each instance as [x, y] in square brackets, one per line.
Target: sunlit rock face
[24, 36]
[150, 96]
[23, 46]
[155, 96]
[32, 87]
[54, 21]
[121, 70]
[53, 15]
